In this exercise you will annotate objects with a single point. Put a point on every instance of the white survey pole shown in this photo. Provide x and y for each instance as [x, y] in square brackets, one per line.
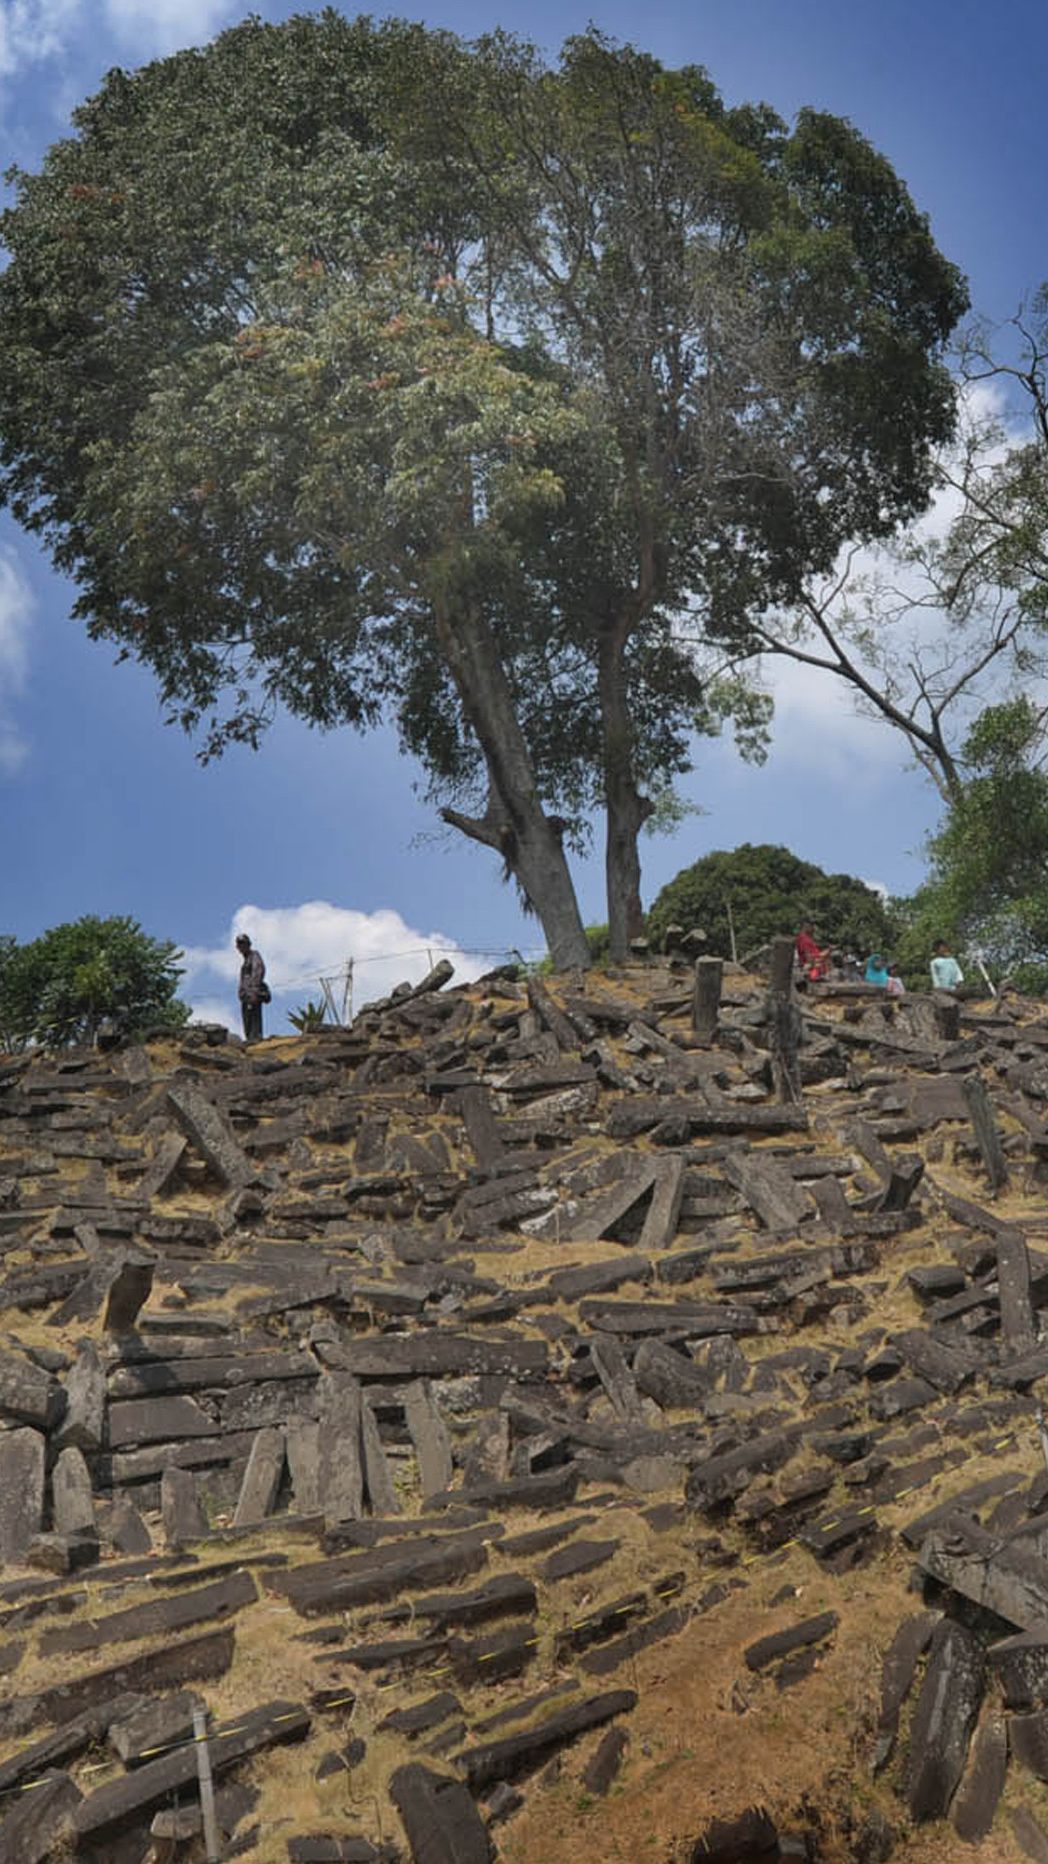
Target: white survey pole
[207, 1791]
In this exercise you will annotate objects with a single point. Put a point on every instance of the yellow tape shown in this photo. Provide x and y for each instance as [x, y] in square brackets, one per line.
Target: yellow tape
[444, 1669]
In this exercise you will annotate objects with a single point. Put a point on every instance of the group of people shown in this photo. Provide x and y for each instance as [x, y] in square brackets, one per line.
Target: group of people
[817, 963]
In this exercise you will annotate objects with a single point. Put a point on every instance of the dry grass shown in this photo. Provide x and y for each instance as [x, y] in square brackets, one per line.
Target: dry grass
[706, 1738]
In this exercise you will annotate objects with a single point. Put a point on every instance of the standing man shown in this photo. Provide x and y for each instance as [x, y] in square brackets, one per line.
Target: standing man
[253, 990]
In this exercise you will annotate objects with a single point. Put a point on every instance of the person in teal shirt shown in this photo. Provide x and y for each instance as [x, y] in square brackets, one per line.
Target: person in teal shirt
[876, 970]
[946, 972]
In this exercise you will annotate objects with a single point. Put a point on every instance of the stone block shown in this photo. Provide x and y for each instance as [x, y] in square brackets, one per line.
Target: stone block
[21, 1491]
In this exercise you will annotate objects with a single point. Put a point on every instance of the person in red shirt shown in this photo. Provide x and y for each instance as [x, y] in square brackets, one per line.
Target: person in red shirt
[814, 961]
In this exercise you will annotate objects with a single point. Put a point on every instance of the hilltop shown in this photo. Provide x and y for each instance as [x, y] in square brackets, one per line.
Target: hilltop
[524, 1434]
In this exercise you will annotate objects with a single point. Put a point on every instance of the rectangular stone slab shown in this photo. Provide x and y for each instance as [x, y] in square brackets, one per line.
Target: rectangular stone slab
[1020, 1665]
[974, 1809]
[111, 1808]
[634, 1115]
[27, 1392]
[776, 1198]
[663, 1215]
[493, 1659]
[1018, 1329]
[1010, 1580]
[130, 1466]
[439, 1816]
[517, 1754]
[341, 1585]
[209, 1131]
[795, 1637]
[21, 1491]
[153, 1725]
[549, 1489]
[157, 1420]
[505, 1596]
[687, 1319]
[943, 1366]
[196, 1659]
[441, 1355]
[429, 1436]
[898, 1670]
[38, 1819]
[943, 1721]
[156, 1616]
[670, 1377]
[258, 1490]
[719, 1478]
[598, 1277]
[162, 1377]
[597, 1215]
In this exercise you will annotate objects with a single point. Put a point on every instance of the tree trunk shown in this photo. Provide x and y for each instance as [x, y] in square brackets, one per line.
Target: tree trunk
[514, 823]
[627, 809]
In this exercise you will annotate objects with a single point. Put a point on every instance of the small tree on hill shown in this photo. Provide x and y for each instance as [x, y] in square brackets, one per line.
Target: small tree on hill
[762, 890]
[58, 989]
[987, 889]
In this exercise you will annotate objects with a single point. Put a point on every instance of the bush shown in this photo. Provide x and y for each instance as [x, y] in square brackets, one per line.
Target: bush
[58, 989]
[770, 891]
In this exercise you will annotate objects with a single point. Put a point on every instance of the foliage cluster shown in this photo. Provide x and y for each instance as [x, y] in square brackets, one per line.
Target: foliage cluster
[762, 891]
[308, 1018]
[56, 990]
[354, 369]
[987, 887]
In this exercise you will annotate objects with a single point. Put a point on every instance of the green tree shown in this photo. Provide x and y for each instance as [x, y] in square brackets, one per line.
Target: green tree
[752, 313]
[761, 891]
[359, 371]
[56, 990]
[987, 887]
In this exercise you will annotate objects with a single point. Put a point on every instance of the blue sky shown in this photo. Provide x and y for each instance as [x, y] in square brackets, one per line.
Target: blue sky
[321, 846]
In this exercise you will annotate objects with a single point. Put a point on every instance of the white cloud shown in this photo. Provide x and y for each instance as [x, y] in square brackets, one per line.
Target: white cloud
[16, 614]
[216, 1010]
[32, 31]
[149, 28]
[817, 726]
[301, 944]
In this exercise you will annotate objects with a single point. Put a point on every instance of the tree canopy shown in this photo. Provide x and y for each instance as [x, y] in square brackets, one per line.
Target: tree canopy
[56, 990]
[760, 891]
[361, 371]
[987, 886]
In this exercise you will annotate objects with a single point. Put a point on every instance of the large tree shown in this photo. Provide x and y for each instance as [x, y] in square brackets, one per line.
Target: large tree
[754, 313]
[367, 373]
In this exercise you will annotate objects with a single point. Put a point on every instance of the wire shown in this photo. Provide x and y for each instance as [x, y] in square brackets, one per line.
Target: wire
[421, 951]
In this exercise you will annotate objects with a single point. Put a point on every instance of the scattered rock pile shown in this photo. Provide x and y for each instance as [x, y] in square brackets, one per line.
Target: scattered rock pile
[391, 1393]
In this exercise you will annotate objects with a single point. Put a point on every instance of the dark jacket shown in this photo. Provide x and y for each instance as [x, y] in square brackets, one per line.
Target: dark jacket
[252, 977]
